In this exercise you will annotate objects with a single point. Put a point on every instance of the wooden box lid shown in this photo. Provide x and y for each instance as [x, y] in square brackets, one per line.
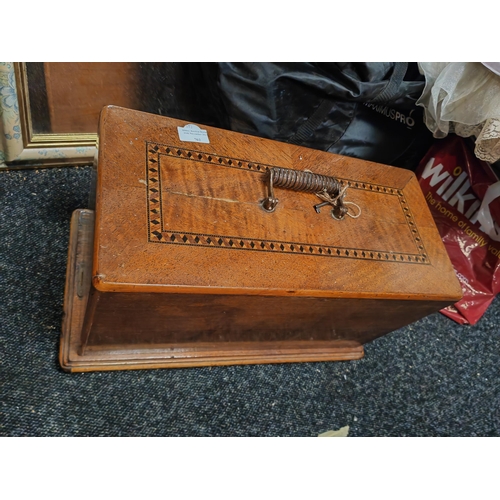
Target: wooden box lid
[180, 216]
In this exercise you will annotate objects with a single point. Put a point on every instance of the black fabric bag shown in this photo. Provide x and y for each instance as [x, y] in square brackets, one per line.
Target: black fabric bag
[364, 110]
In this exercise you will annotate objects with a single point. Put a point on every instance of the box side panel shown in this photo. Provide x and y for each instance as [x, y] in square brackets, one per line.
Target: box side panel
[131, 320]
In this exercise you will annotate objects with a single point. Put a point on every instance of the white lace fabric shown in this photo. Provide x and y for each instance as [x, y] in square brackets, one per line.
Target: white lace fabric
[463, 98]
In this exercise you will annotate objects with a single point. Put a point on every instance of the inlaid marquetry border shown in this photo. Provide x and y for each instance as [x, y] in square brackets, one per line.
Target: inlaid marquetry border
[157, 234]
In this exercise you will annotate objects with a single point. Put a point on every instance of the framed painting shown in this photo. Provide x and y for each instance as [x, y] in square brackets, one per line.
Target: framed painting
[49, 111]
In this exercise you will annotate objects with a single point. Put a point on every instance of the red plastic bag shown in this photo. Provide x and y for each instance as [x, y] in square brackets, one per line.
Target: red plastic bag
[463, 194]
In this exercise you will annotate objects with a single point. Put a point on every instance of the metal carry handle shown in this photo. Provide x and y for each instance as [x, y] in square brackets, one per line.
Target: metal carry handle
[324, 187]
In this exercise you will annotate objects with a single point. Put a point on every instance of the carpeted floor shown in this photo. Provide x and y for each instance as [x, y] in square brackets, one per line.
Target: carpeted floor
[433, 378]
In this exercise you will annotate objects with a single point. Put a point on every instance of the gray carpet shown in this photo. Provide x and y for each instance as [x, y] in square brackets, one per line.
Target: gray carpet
[433, 378]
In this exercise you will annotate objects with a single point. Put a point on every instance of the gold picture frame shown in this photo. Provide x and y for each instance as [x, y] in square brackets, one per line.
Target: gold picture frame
[20, 145]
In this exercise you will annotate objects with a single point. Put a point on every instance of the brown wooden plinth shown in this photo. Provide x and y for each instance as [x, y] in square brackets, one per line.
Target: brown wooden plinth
[74, 356]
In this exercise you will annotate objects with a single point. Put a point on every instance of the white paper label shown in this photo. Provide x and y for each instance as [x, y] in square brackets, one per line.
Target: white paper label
[193, 133]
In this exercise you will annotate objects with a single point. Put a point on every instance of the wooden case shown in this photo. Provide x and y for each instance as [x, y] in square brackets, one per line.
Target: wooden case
[180, 265]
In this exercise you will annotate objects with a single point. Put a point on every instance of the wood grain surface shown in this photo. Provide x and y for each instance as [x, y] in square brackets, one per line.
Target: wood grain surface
[174, 216]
